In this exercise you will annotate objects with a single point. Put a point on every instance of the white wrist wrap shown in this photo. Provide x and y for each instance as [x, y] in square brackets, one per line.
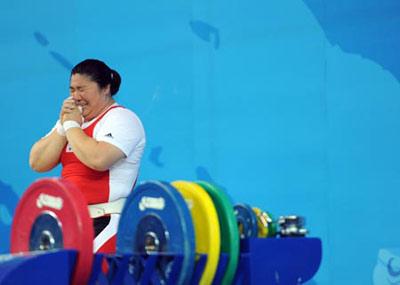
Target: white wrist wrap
[60, 129]
[70, 124]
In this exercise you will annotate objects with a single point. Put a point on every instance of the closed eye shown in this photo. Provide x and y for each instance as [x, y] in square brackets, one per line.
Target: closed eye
[79, 88]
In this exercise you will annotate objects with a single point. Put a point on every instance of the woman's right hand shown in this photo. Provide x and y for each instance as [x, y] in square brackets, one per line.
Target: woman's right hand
[70, 111]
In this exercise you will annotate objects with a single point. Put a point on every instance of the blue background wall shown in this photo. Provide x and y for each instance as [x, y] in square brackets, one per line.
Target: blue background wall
[292, 106]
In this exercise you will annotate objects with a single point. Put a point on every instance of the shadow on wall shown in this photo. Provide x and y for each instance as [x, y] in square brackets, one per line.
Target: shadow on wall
[206, 32]
[42, 40]
[201, 172]
[9, 200]
[154, 156]
[203, 175]
[387, 268]
[363, 37]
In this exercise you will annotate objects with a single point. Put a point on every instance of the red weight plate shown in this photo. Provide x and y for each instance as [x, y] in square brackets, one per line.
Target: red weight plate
[67, 204]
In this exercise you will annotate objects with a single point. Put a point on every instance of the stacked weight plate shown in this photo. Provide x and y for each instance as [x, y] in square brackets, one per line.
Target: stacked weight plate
[155, 220]
[266, 225]
[177, 223]
[246, 220]
[181, 218]
[51, 215]
[206, 225]
[228, 229]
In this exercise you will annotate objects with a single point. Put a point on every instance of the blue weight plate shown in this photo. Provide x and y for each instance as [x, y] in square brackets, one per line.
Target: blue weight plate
[46, 233]
[156, 219]
[247, 221]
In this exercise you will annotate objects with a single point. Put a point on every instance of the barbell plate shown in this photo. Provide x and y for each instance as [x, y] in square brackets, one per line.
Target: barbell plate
[53, 214]
[246, 220]
[206, 226]
[228, 228]
[261, 224]
[156, 219]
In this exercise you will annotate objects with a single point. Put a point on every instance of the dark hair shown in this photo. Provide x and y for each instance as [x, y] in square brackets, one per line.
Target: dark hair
[99, 72]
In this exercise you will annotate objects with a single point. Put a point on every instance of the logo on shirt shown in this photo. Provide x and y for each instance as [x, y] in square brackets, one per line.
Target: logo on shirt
[109, 135]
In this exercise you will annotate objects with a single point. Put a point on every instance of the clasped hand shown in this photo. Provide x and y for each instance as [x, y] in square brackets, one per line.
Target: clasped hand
[70, 112]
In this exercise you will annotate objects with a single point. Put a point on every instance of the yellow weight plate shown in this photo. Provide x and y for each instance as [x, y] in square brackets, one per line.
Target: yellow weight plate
[262, 223]
[206, 226]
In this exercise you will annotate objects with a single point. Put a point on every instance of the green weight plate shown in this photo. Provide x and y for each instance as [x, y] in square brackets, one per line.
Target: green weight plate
[229, 228]
[272, 227]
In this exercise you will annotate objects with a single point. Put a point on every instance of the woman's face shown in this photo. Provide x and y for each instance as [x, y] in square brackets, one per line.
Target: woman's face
[88, 94]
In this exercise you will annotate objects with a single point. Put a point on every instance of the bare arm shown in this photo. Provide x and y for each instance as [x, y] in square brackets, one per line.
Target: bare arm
[94, 154]
[45, 154]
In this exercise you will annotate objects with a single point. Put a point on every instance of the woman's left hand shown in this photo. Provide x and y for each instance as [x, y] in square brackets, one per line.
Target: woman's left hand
[71, 112]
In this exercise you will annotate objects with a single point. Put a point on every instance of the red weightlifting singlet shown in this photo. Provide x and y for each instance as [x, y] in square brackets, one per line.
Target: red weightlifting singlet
[93, 184]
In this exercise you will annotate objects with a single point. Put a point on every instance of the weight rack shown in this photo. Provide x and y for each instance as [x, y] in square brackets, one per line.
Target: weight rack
[286, 261]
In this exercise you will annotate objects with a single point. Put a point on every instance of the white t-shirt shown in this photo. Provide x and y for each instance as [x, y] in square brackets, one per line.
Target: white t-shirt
[123, 129]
